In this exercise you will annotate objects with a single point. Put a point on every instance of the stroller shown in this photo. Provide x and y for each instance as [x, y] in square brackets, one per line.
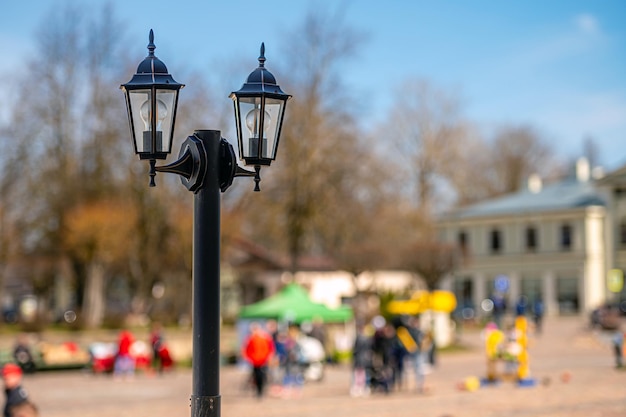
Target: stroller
[380, 375]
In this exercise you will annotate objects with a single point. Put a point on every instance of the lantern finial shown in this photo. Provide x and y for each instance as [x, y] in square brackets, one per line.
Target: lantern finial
[151, 46]
[262, 56]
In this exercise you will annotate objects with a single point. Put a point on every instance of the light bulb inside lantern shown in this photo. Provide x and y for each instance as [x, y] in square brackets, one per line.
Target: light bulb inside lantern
[146, 114]
[253, 118]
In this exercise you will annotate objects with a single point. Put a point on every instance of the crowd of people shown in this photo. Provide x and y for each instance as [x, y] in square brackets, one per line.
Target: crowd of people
[282, 357]
[384, 350]
[133, 354]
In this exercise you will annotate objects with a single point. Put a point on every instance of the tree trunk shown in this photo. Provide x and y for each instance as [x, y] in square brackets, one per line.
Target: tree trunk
[93, 306]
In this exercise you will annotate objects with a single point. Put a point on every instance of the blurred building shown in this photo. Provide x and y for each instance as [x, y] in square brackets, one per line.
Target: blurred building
[262, 273]
[558, 243]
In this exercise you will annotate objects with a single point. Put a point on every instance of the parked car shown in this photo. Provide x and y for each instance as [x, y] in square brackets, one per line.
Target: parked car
[44, 356]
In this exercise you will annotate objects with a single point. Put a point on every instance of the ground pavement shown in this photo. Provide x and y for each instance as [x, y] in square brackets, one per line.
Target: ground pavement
[573, 366]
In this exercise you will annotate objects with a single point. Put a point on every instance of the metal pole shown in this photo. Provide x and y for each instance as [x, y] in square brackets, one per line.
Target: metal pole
[205, 399]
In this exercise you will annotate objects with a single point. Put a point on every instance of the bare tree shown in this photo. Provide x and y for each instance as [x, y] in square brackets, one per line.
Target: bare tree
[42, 134]
[100, 235]
[70, 145]
[430, 260]
[426, 125]
[313, 177]
[501, 165]
[518, 152]
[470, 178]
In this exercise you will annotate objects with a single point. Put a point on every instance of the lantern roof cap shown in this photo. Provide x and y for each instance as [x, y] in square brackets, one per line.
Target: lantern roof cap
[152, 71]
[260, 81]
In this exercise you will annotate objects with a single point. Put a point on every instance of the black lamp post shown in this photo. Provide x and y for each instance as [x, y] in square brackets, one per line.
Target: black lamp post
[207, 165]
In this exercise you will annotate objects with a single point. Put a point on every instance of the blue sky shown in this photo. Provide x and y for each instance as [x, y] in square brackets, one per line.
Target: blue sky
[558, 65]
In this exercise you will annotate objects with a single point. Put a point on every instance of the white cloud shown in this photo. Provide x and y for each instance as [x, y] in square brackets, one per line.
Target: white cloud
[587, 23]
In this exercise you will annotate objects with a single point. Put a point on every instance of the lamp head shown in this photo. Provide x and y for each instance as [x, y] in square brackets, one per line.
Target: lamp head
[259, 111]
[152, 101]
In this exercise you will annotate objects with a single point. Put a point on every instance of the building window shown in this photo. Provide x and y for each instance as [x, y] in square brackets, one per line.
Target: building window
[566, 237]
[495, 241]
[622, 233]
[531, 239]
[464, 291]
[463, 242]
[567, 295]
[531, 288]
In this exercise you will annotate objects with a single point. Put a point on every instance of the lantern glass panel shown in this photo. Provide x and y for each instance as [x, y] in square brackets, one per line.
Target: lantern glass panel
[137, 99]
[142, 108]
[257, 122]
[273, 109]
[249, 120]
[166, 108]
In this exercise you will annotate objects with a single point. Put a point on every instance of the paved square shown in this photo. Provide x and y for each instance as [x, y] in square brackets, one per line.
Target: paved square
[566, 348]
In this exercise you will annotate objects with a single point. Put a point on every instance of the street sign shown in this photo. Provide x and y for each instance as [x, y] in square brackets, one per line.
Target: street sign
[501, 283]
[615, 280]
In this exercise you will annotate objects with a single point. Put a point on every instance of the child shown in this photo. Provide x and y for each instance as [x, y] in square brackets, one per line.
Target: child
[618, 346]
[15, 394]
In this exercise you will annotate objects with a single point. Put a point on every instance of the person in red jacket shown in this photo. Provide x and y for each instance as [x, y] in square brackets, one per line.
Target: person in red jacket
[124, 362]
[258, 349]
[14, 393]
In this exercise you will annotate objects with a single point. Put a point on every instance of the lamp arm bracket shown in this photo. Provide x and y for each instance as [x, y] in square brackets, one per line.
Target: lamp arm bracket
[241, 172]
[191, 164]
[229, 168]
[183, 166]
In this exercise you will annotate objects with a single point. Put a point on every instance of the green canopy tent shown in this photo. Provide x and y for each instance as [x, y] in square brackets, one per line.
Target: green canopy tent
[292, 303]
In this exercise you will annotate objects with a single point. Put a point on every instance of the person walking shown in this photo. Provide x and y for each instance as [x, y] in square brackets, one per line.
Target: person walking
[258, 349]
[382, 371]
[15, 394]
[293, 366]
[538, 315]
[499, 308]
[361, 363]
[618, 348]
[416, 355]
[124, 365]
[161, 358]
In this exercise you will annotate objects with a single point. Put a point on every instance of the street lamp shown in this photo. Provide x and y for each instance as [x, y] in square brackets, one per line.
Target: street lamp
[263, 103]
[206, 165]
[152, 100]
